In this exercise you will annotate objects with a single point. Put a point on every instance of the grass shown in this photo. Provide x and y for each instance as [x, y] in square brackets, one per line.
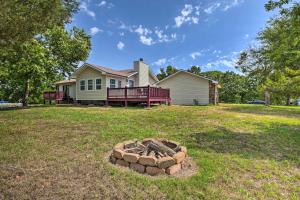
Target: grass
[242, 151]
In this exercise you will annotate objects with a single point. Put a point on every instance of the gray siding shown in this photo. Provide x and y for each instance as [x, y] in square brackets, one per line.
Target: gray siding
[123, 81]
[143, 73]
[87, 74]
[184, 88]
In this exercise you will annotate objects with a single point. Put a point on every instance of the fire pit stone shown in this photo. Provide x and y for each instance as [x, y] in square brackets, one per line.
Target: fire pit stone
[131, 157]
[151, 156]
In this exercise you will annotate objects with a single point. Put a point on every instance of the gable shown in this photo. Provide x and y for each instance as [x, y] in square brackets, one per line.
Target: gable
[89, 73]
[186, 88]
[184, 79]
[189, 74]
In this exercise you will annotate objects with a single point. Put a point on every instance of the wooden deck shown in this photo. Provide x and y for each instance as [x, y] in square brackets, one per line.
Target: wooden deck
[146, 95]
[56, 96]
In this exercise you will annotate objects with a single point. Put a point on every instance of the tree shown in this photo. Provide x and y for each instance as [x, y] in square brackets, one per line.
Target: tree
[22, 20]
[271, 5]
[214, 75]
[165, 73]
[278, 54]
[37, 63]
[162, 74]
[35, 49]
[235, 88]
[283, 84]
[171, 70]
[195, 70]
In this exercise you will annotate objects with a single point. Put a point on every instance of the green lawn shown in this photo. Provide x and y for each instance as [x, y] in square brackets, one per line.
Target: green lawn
[242, 151]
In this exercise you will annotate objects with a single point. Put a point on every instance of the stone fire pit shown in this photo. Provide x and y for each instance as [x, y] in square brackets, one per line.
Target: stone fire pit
[150, 156]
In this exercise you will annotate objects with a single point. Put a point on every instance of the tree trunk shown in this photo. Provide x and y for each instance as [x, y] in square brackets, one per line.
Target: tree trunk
[288, 101]
[26, 93]
[267, 98]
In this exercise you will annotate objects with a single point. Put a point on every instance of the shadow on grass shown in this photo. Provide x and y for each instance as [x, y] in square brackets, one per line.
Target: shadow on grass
[278, 143]
[286, 111]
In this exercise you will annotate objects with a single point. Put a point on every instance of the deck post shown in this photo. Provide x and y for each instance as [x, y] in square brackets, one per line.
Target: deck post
[107, 96]
[148, 97]
[126, 103]
[169, 99]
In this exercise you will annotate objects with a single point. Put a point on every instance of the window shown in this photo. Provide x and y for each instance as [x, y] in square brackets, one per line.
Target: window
[90, 84]
[112, 83]
[131, 83]
[82, 85]
[98, 84]
[119, 84]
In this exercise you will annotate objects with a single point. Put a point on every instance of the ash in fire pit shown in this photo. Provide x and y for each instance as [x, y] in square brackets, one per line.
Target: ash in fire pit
[150, 156]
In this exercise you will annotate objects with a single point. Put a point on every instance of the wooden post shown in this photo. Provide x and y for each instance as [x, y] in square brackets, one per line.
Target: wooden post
[169, 99]
[148, 97]
[107, 96]
[126, 103]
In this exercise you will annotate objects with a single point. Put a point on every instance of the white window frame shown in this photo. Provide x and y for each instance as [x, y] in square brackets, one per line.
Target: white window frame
[110, 85]
[119, 83]
[129, 83]
[88, 84]
[82, 85]
[98, 84]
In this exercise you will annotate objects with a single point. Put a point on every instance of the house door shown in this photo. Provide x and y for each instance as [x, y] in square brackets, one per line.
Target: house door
[66, 90]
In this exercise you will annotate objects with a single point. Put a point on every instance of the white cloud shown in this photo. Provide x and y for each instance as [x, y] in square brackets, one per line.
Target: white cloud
[102, 3]
[217, 51]
[95, 30]
[196, 54]
[160, 62]
[120, 45]
[212, 8]
[246, 36]
[142, 31]
[84, 7]
[146, 40]
[122, 34]
[105, 4]
[162, 37]
[179, 20]
[187, 15]
[232, 4]
[187, 10]
[228, 61]
[126, 27]
[149, 36]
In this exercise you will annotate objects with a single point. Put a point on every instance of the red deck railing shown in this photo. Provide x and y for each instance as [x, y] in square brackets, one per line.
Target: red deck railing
[147, 94]
[52, 95]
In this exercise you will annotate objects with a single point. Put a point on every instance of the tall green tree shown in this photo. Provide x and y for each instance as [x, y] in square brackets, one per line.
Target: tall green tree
[37, 63]
[195, 70]
[165, 73]
[278, 53]
[22, 20]
[35, 48]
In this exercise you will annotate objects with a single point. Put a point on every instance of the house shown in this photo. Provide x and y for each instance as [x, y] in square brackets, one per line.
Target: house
[92, 84]
[189, 89]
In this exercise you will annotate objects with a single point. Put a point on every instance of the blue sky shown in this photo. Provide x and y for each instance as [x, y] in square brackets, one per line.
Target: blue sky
[206, 33]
